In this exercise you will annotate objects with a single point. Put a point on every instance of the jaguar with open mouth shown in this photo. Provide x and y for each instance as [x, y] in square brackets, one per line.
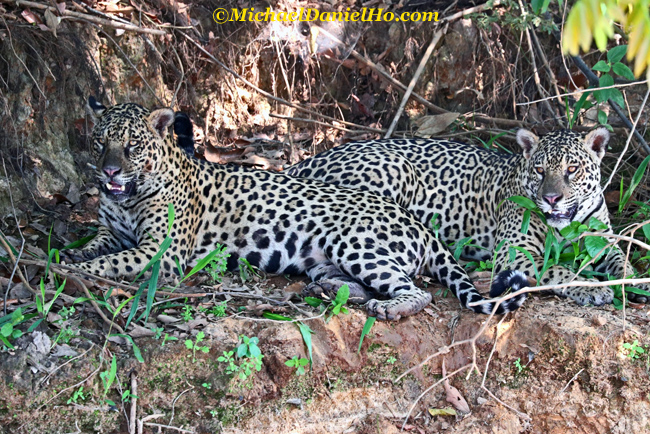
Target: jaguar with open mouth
[556, 215]
[117, 190]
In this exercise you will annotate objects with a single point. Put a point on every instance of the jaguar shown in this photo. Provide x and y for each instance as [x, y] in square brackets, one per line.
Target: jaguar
[468, 186]
[278, 223]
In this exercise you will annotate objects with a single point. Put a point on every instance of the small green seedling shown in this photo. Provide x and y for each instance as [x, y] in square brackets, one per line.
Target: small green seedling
[634, 349]
[298, 363]
[218, 265]
[187, 314]
[77, 396]
[519, 366]
[194, 345]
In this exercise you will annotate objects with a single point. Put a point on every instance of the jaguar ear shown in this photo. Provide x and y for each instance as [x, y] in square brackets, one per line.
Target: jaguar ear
[160, 120]
[596, 142]
[96, 108]
[528, 142]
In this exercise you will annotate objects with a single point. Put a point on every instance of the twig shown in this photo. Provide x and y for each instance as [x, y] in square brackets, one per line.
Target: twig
[571, 381]
[629, 138]
[146, 418]
[44, 380]
[74, 386]
[536, 78]
[16, 261]
[171, 419]
[414, 80]
[214, 60]
[594, 81]
[312, 121]
[133, 414]
[469, 365]
[80, 284]
[90, 18]
[619, 237]
[547, 66]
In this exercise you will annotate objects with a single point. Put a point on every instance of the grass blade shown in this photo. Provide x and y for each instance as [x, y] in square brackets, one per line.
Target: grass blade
[366, 329]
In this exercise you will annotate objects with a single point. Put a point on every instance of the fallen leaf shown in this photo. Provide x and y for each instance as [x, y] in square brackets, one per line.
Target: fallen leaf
[442, 411]
[431, 125]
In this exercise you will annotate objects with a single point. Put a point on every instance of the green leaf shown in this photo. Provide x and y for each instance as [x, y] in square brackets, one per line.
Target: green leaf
[597, 225]
[136, 350]
[636, 180]
[242, 350]
[306, 332]
[646, 231]
[639, 291]
[170, 217]
[254, 351]
[7, 329]
[6, 342]
[579, 106]
[595, 244]
[201, 264]
[313, 302]
[523, 202]
[603, 95]
[80, 242]
[602, 117]
[601, 66]
[616, 96]
[540, 6]
[442, 411]
[573, 230]
[342, 295]
[189, 344]
[366, 329]
[623, 70]
[527, 254]
[275, 316]
[525, 223]
[111, 375]
[615, 54]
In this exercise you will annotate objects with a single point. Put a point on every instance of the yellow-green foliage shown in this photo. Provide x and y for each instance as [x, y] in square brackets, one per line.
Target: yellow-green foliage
[594, 20]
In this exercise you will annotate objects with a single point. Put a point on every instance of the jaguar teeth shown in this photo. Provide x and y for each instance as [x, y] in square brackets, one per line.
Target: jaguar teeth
[110, 186]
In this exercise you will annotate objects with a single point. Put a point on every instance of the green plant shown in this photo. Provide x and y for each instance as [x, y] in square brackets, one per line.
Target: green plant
[168, 338]
[435, 224]
[8, 331]
[249, 356]
[218, 310]
[634, 349]
[108, 377]
[391, 360]
[246, 270]
[218, 265]
[336, 306]
[77, 396]
[158, 331]
[194, 345]
[298, 363]
[207, 386]
[127, 396]
[187, 314]
[636, 180]
[366, 329]
[519, 366]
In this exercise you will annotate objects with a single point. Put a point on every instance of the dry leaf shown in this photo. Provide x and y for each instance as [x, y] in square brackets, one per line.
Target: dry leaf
[51, 20]
[432, 125]
[442, 411]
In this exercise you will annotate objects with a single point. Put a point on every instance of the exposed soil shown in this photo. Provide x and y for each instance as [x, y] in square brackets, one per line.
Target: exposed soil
[562, 366]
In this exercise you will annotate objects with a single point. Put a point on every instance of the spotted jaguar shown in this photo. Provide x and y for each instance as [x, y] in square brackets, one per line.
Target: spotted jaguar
[276, 222]
[467, 186]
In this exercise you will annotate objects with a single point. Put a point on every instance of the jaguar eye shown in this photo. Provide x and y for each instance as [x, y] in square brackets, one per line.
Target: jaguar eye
[539, 170]
[132, 143]
[572, 169]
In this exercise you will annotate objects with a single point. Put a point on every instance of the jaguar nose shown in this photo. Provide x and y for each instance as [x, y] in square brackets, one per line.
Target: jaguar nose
[552, 199]
[111, 170]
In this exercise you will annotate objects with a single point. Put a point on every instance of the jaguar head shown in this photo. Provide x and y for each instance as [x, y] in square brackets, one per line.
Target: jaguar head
[563, 172]
[128, 144]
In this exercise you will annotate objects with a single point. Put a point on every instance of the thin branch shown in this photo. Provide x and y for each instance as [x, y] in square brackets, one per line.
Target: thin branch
[629, 138]
[414, 80]
[80, 284]
[86, 17]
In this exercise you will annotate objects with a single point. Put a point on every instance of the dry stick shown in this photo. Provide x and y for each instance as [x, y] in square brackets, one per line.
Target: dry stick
[146, 418]
[571, 380]
[289, 118]
[414, 80]
[7, 247]
[580, 92]
[487, 365]
[430, 388]
[79, 283]
[214, 60]
[629, 138]
[536, 78]
[90, 18]
[133, 414]
[547, 65]
[171, 419]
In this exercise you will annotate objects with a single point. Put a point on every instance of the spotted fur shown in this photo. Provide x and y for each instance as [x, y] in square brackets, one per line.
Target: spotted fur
[466, 184]
[276, 222]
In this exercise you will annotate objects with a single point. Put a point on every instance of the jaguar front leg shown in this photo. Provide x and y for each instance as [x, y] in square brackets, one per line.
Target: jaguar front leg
[104, 243]
[614, 264]
[130, 263]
